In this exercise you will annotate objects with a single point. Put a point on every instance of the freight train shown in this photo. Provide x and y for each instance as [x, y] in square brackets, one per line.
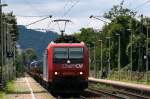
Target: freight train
[65, 67]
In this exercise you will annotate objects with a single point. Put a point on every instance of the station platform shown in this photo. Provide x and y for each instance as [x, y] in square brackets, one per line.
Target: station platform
[27, 88]
[140, 87]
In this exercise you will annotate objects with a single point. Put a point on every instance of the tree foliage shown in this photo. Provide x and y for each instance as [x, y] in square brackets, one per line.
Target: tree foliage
[123, 22]
[30, 55]
[117, 11]
[11, 20]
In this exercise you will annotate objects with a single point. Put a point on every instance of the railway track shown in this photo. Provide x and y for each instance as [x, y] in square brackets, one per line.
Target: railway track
[131, 95]
[99, 94]
[119, 94]
[93, 93]
[90, 94]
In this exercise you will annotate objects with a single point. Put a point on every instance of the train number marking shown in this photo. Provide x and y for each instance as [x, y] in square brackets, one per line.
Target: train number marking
[72, 65]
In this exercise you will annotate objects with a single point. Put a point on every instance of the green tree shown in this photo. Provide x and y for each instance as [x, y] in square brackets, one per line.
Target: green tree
[117, 11]
[123, 22]
[30, 55]
[11, 19]
[19, 64]
[120, 24]
[139, 45]
[87, 35]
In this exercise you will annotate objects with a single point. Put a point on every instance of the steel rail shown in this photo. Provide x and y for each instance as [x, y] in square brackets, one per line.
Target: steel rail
[125, 93]
[106, 93]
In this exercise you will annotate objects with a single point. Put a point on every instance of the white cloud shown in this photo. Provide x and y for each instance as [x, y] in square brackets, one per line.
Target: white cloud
[79, 14]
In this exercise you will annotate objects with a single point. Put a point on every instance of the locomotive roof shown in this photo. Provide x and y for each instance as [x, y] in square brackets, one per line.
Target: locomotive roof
[66, 44]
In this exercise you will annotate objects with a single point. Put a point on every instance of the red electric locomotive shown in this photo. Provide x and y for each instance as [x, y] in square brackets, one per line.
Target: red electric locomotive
[66, 66]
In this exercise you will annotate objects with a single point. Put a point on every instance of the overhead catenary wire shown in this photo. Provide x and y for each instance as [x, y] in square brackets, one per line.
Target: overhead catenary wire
[42, 29]
[66, 4]
[73, 5]
[26, 16]
[48, 25]
[75, 2]
[141, 5]
[39, 20]
[136, 9]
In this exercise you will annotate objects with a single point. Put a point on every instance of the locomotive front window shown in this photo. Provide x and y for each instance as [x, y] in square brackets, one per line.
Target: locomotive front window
[60, 53]
[76, 53]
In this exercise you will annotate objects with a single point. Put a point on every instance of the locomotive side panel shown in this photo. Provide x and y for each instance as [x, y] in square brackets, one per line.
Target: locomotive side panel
[50, 64]
[45, 66]
[86, 63]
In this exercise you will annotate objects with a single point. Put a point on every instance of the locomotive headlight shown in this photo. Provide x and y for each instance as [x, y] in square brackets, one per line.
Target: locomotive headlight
[68, 61]
[81, 73]
[56, 73]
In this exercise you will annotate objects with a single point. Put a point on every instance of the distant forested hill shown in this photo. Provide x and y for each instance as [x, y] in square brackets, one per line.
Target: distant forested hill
[37, 40]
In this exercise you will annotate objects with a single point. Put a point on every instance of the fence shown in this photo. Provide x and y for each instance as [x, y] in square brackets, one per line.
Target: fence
[134, 76]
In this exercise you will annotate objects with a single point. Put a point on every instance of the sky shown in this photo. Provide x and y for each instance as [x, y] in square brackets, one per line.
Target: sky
[78, 11]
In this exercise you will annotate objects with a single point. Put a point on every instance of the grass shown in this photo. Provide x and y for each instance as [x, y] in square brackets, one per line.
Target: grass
[2, 95]
[125, 77]
[10, 86]
[100, 86]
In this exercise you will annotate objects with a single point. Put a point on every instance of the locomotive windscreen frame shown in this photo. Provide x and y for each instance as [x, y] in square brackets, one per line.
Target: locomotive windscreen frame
[62, 54]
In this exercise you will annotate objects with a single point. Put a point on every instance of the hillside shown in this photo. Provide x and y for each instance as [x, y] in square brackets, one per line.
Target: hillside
[37, 40]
